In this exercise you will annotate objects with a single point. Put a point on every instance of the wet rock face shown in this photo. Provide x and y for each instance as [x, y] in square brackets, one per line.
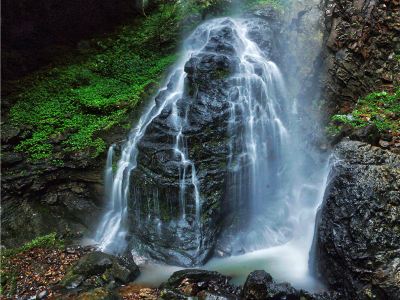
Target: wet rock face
[39, 198]
[42, 199]
[362, 39]
[156, 182]
[260, 285]
[199, 283]
[97, 269]
[359, 234]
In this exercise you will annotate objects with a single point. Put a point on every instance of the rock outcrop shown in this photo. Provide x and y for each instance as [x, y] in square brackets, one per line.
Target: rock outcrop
[358, 246]
[362, 55]
[199, 283]
[42, 197]
[98, 269]
[203, 112]
[260, 285]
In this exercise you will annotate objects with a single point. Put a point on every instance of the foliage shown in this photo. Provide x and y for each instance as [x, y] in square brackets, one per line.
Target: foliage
[277, 4]
[223, 7]
[379, 108]
[46, 241]
[67, 106]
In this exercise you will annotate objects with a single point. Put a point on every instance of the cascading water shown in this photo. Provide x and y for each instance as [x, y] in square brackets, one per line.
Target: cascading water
[270, 171]
[112, 231]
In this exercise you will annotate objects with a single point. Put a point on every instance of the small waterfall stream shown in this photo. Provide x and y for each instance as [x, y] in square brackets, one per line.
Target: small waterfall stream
[269, 166]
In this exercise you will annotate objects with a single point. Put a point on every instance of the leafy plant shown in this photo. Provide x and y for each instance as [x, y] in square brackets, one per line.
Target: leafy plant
[67, 106]
[46, 241]
[379, 108]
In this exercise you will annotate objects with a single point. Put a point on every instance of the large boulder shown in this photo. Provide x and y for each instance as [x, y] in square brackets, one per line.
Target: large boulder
[98, 269]
[203, 284]
[358, 239]
[260, 285]
[156, 206]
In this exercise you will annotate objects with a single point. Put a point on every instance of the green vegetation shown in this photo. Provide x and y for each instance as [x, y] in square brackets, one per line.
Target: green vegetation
[66, 108]
[277, 4]
[379, 108]
[46, 241]
[69, 105]
[224, 7]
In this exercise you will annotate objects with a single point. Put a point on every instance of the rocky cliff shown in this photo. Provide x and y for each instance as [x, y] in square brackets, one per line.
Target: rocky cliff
[359, 231]
[362, 50]
[203, 113]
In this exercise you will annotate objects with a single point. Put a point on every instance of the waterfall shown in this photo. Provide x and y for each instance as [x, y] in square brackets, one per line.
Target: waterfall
[271, 171]
[111, 233]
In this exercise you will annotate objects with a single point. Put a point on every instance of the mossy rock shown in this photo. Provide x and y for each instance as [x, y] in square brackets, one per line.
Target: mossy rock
[101, 268]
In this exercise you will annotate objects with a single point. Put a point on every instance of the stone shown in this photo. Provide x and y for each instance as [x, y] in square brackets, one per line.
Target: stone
[106, 268]
[359, 236]
[205, 106]
[11, 158]
[259, 285]
[355, 28]
[9, 134]
[42, 295]
[369, 134]
[199, 283]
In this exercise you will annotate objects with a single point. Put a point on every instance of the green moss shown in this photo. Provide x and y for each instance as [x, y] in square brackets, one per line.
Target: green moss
[221, 74]
[46, 241]
[379, 108]
[226, 7]
[70, 104]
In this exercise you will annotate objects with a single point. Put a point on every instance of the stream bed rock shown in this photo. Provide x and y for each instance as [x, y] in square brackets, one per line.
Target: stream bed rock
[98, 269]
[358, 240]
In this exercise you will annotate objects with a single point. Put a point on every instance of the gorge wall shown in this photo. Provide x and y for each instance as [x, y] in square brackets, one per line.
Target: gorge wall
[362, 48]
[357, 238]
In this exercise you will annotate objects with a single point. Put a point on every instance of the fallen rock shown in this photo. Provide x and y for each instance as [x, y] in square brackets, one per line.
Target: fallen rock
[98, 269]
[200, 283]
[260, 285]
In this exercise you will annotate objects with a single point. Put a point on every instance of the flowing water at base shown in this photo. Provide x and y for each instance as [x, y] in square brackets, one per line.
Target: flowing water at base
[289, 262]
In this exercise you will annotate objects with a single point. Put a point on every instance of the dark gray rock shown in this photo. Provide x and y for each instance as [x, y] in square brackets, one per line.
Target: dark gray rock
[99, 269]
[156, 180]
[358, 242]
[10, 158]
[369, 134]
[199, 283]
[9, 134]
[260, 286]
[361, 39]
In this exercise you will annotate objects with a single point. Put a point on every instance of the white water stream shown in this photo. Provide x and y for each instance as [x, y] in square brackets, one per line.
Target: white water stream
[270, 166]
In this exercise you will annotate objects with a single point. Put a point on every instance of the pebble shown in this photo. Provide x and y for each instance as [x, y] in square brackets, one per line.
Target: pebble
[384, 144]
[42, 295]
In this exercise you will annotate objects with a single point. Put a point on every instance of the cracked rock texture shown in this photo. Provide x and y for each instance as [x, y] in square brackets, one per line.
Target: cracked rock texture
[362, 53]
[359, 231]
